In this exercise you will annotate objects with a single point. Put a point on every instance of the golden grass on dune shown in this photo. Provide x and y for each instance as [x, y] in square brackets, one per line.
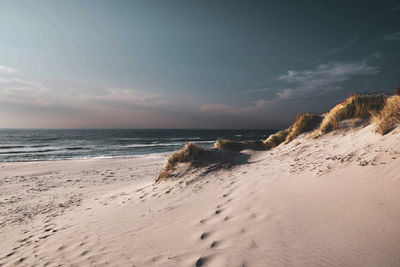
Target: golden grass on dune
[228, 144]
[304, 123]
[190, 153]
[238, 146]
[357, 106]
[387, 119]
[275, 139]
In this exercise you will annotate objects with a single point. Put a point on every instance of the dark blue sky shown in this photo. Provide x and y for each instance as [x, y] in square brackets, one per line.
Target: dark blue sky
[180, 64]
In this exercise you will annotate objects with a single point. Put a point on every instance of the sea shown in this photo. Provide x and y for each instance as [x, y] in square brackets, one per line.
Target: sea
[18, 145]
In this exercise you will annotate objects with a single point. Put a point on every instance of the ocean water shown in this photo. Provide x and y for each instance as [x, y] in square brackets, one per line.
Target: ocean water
[45, 144]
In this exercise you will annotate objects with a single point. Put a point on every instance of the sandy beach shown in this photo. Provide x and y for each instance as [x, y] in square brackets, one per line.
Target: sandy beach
[331, 201]
[199, 133]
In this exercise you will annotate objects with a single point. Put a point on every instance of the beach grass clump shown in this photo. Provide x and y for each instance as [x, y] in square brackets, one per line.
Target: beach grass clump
[277, 138]
[357, 106]
[304, 123]
[189, 154]
[237, 146]
[227, 144]
[389, 117]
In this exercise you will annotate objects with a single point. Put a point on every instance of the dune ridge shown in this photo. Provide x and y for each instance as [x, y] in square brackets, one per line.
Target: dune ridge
[380, 109]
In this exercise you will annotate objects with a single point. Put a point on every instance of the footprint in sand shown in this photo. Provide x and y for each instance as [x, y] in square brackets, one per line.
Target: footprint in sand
[214, 244]
[253, 245]
[84, 253]
[10, 254]
[201, 261]
[20, 260]
[204, 235]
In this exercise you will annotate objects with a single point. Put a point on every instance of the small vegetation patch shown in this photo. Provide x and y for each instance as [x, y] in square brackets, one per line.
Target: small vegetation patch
[189, 154]
[237, 146]
[389, 117]
[357, 106]
[305, 122]
[275, 139]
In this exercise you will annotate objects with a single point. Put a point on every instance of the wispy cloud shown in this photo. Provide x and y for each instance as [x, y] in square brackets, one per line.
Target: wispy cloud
[376, 55]
[226, 109]
[397, 8]
[394, 36]
[7, 70]
[323, 78]
[26, 102]
[16, 87]
[123, 97]
[339, 49]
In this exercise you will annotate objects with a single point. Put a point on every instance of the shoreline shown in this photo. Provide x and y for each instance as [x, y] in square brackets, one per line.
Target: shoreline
[92, 158]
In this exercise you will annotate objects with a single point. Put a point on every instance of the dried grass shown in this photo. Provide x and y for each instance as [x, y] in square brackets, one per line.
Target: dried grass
[304, 123]
[389, 117]
[237, 146]
[275, 139]
[189, 154]
[357, 106]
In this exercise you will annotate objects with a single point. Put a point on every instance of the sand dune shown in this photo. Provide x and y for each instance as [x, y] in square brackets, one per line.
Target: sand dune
[332, 201]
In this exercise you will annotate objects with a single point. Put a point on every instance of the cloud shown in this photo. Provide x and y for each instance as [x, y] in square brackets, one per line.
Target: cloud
[225, 109]
[394, 36]
[7, 70]
[29, 98]
[324, 78]
[125, 97]
[339, 49]
[16, 88]
[397, 8]
[26, 102]
[377, 55]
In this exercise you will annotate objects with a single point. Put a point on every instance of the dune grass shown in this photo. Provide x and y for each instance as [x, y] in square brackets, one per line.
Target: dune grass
[275, 139]
[304, 123]
[189, 154]
[357, 106]
[227, 144]
[238, 146]
[387, 119]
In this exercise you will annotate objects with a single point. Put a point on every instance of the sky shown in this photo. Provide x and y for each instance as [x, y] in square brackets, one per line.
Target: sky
[190, 64]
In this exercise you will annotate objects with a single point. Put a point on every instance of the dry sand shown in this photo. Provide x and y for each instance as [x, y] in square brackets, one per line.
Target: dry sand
[334, 201]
